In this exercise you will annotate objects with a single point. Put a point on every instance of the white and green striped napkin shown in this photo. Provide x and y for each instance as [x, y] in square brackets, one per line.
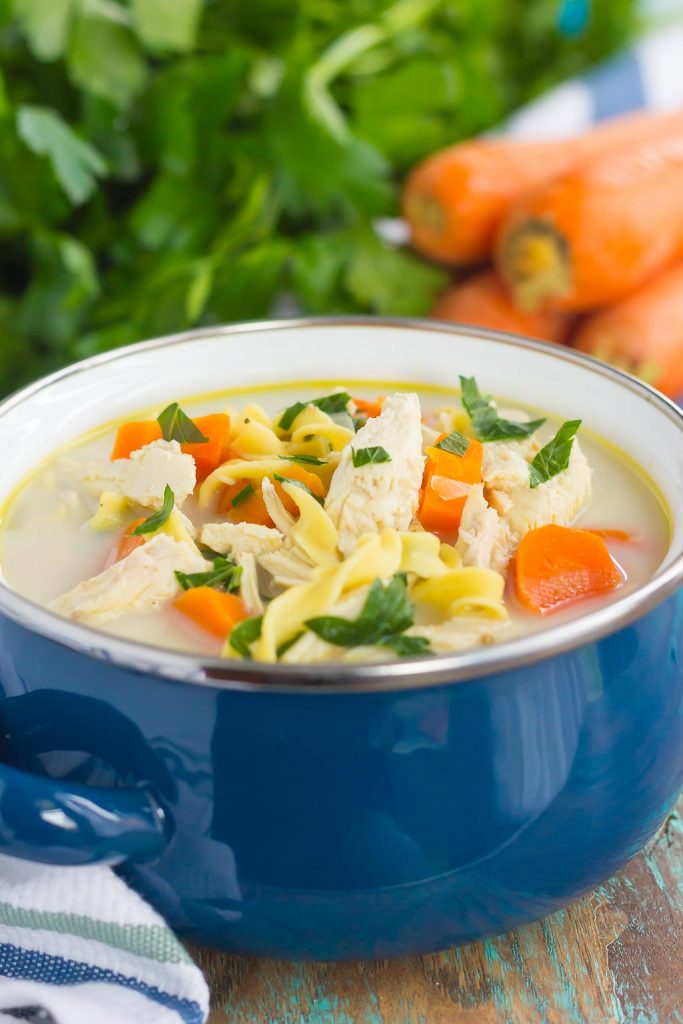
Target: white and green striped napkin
[77, 946]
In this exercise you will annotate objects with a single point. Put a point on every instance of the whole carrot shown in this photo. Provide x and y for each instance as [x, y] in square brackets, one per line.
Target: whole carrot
[642, 334]
[598, 232]
[454, 201]
[483, 301]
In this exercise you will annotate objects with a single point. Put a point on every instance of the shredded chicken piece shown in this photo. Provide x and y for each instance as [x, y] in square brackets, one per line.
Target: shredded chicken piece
[385, 495]
[484, 539]
[249, 590]
[558, 500]
[139, 582]
[241, 538]
[459, 633]
[143, 477]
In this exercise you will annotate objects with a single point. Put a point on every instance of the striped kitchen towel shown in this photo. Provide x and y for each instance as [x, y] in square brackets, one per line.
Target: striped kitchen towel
[77, 946]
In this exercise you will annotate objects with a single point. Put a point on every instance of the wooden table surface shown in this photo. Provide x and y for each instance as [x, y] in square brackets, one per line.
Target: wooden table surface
[614, 957]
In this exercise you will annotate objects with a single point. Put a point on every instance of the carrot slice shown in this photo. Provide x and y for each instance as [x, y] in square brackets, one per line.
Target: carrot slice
[558, 565]
[303, 476]
[128, 542]
[131, 436]
[251, 509]
[440, 506]
[210, 454]
[369, 409]
[211, 609]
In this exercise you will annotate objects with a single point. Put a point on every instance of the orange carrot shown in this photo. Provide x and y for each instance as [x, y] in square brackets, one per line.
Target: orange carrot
[369, 409]
[304, 476]
[131, 436]
[455, 200]
[250, 509]
[599, 231]
[642, 334]
[445, 489]
[558, 565]
[484, 302]
[211, 609]
[210, 454]
[128, 542]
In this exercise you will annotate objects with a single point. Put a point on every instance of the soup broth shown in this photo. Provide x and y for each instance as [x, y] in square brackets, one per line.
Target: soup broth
[62, 528]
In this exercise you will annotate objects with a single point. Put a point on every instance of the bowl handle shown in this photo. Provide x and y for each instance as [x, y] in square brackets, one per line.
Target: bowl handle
[58, 822]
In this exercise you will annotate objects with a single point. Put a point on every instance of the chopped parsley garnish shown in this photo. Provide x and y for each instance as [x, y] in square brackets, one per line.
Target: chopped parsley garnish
[370, 456]
[157, 519]
[487, 424]
[286, 644]
[225, 575]
[303, 460]
[386, 614]
[177, 426]
[298, 483]
[242, 495]
[244, 634]
[334, 403]
[406, 646]
[456, 443]
[554, 457]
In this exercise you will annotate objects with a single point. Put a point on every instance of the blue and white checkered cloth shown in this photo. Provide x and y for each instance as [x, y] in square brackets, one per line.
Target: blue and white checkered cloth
[76, 942]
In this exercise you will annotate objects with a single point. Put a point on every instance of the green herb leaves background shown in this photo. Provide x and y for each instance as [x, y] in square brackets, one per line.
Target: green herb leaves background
[170, 163]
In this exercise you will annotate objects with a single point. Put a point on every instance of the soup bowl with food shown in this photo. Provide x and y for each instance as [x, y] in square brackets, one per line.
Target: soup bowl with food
[342, 638]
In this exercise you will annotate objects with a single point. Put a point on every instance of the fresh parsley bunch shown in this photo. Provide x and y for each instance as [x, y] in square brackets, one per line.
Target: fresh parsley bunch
[171, 163]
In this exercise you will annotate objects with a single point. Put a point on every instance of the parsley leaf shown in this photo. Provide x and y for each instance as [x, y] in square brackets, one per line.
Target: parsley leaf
[244, 634]
[242, 495]
[76, 164]
[157, 519]
[456, 443]
[303, 460]
[387, 612]
[290, 414]
[370, 456]
[298, 483]
[487, 424]
[406, 646]
[554, 457]
[225, 575]
[286, 644]
[334, 403]
[177, 426]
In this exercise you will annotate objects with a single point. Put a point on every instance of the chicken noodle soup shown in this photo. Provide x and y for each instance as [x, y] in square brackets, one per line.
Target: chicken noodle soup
[345, 523]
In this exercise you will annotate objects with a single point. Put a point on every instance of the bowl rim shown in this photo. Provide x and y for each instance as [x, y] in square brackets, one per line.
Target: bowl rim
[338, 677]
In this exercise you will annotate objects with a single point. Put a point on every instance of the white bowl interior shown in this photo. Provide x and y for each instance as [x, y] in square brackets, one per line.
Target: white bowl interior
[630, 416]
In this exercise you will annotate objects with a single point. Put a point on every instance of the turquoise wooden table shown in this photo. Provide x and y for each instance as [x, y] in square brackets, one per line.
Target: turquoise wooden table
[614, 957]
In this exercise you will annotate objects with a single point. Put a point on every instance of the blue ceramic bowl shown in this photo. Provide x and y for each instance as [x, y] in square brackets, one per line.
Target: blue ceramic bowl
[361, 811]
